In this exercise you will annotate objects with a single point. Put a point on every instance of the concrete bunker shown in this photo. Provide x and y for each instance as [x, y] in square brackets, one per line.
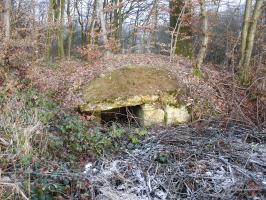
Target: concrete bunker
[143, 95]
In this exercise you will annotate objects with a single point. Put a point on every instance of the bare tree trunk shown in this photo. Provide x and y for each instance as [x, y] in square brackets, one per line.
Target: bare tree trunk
[148, 36]
[118, 19]
[156, 13]
[202, 51]
[70, 30]
[60, 40]
[120, 23]
[247, 19]
[92, 24]
[176, 31]
[6, 18]
[49, 31]
[244, 65]
[184, 44]
[79, 10]
[135, 31]
[56, 15]
[101, 17]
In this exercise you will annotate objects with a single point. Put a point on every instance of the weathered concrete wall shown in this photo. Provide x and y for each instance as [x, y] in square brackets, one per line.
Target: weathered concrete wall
[152, 114]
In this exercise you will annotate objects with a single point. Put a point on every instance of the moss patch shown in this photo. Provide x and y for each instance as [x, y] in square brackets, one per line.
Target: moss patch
[130, 86]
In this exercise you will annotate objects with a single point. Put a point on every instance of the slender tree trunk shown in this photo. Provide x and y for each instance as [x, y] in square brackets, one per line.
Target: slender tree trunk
[49, 31]
[184, 43]
[244, 65]
[60, 40]
[176, 31]
[80, 21]
[203, 49]
[92, 24]
[56, 16]
[247, 19]
[120, 22]
[115, 20]
[155, 38]
[103, 24]
[135, 31]
[6, 18]
[70, 30]
[118, 19]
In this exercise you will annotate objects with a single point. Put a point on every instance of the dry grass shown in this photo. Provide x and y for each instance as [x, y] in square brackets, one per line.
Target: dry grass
[23, 138]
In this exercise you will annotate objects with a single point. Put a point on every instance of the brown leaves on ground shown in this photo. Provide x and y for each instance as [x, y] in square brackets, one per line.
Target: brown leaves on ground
[215, 95]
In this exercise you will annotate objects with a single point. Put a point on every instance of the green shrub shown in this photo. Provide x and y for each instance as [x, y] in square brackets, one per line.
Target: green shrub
[73, 133]
[41, 131]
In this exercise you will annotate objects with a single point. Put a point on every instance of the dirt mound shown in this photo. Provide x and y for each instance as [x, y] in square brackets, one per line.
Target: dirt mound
[66, 79]
[216, 95]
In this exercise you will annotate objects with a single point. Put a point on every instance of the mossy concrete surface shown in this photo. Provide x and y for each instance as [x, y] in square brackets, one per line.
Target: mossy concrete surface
[130, 86]
[152, 88]
[154, 114]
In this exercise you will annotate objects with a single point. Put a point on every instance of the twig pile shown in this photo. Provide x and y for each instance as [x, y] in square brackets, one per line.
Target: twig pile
[186, 163]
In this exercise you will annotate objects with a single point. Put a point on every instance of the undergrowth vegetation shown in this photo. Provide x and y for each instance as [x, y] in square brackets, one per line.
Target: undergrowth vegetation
[42, 146]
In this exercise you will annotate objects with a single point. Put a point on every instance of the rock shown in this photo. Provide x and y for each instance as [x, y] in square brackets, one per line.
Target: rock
[151, 115]
[5, 179]
[175, 115]
[160, 194]
[103, 197]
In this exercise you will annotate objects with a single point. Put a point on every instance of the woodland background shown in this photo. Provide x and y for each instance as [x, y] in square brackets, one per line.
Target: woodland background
[49, 48]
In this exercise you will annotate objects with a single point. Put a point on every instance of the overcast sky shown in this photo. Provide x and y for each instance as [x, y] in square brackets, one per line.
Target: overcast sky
[231, 3]
[235, 2]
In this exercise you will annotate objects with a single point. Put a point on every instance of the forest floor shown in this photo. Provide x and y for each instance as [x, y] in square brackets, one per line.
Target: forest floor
[186, 162]
[51, 151]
